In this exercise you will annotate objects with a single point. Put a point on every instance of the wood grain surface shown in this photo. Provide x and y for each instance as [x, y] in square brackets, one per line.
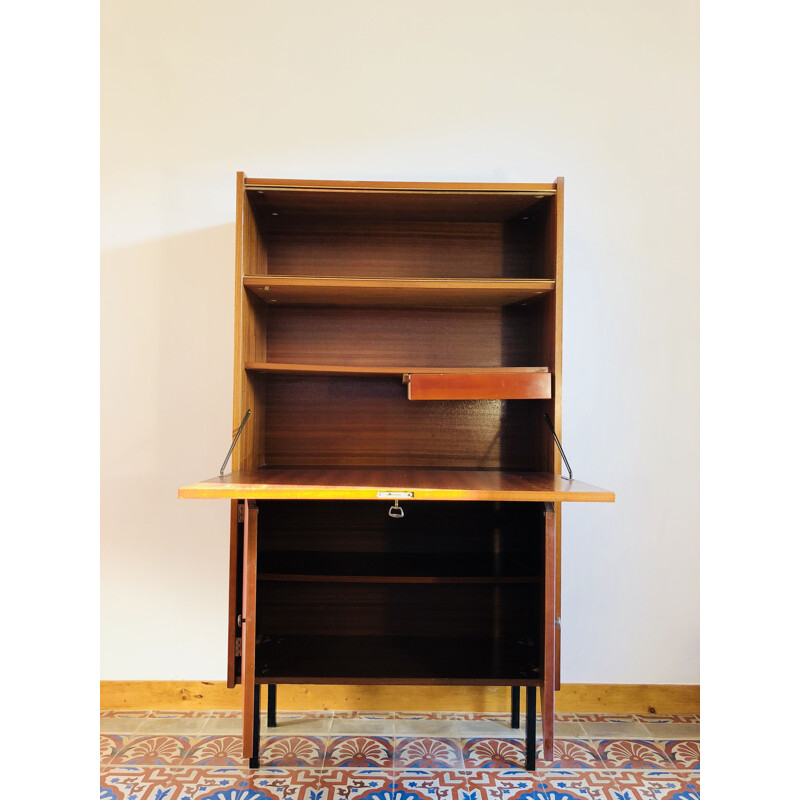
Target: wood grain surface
[426, 484]
[292, 290]
[382, 371]
[463, 202]
[609, 698]
[424, 337]
[496, 385]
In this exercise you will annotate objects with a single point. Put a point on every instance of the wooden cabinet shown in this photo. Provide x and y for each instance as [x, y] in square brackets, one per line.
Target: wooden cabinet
[395, 493]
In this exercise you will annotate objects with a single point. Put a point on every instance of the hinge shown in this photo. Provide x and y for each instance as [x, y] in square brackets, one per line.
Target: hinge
[237, 646]
[558, 622]
[240, 512]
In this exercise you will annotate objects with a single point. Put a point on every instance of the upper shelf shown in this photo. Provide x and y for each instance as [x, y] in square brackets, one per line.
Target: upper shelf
[291, 290]
[374, 483]
[410, 201]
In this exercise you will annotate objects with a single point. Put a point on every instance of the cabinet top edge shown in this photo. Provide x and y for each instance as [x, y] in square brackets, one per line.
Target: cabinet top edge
[402, 186]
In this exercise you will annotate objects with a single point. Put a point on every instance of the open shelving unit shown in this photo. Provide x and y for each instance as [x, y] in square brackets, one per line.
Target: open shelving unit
[395, 495]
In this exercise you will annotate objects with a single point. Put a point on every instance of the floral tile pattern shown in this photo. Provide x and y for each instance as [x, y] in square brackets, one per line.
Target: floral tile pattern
[292, 751]
[619, 785]
[684, 754]
[422, 752]
[126, 713]
[674, 785]
[510, 784]
[633, 754]
[111, 745]
[215, 751]
[360, 751]
[432, 784]
[494, 754]
[183, 714]
[360, 784]
[152, 750]
[396, 756]
[571, 754]
[448, 715]
[364, 714]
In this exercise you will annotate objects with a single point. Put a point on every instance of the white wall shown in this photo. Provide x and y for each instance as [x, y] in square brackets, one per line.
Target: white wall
[605, 94]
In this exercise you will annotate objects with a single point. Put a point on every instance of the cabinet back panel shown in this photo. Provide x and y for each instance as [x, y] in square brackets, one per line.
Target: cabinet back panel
[344, 421]
[334, 246]
[434, 202]
[357, 609]
[344, 526]
[477, 337]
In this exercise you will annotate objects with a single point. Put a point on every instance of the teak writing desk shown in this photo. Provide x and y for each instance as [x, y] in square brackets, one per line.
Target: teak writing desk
[395, 495]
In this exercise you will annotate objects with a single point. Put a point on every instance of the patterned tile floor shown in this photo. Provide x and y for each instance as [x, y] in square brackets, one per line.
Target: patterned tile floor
[326, 755]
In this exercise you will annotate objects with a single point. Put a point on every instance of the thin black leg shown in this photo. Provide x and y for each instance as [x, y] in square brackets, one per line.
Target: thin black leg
[271, 697]
[515, 706]
[530, 728]
[256, 725]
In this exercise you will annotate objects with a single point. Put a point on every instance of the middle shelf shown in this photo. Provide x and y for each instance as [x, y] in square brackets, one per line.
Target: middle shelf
[295, 290]
[367, 371]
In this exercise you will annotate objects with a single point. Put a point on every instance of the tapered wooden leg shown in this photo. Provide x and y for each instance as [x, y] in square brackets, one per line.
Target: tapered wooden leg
[271, 698]
[251, 694]
[549, 676]
[530, 728]
[252, 761]
[515, 706]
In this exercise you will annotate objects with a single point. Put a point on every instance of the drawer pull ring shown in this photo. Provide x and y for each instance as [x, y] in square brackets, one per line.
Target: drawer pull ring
[395, 511]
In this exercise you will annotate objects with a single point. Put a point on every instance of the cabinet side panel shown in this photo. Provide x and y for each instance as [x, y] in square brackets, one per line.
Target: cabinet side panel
[557, 245]
[558, 300]
[234, 600]
[249, 338]
[546, 339]
[239, 297]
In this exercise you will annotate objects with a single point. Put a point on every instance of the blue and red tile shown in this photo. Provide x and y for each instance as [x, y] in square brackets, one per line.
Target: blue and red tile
[401, 762]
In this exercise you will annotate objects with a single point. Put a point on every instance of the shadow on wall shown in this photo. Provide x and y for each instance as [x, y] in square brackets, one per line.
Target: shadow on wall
[166, 356]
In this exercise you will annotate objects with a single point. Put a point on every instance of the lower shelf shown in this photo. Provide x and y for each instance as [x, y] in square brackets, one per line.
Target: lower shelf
[427, 660]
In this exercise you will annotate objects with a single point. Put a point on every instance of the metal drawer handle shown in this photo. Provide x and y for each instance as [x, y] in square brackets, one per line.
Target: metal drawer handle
[395, 511]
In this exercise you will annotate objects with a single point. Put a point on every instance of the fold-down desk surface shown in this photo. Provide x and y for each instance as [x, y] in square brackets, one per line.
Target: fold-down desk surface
[418, 483]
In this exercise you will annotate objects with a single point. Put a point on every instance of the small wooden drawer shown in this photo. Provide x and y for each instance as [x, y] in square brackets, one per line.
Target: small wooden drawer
[501, 385]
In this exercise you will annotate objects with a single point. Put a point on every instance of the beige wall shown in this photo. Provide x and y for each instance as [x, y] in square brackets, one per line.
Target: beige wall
[605, 94]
